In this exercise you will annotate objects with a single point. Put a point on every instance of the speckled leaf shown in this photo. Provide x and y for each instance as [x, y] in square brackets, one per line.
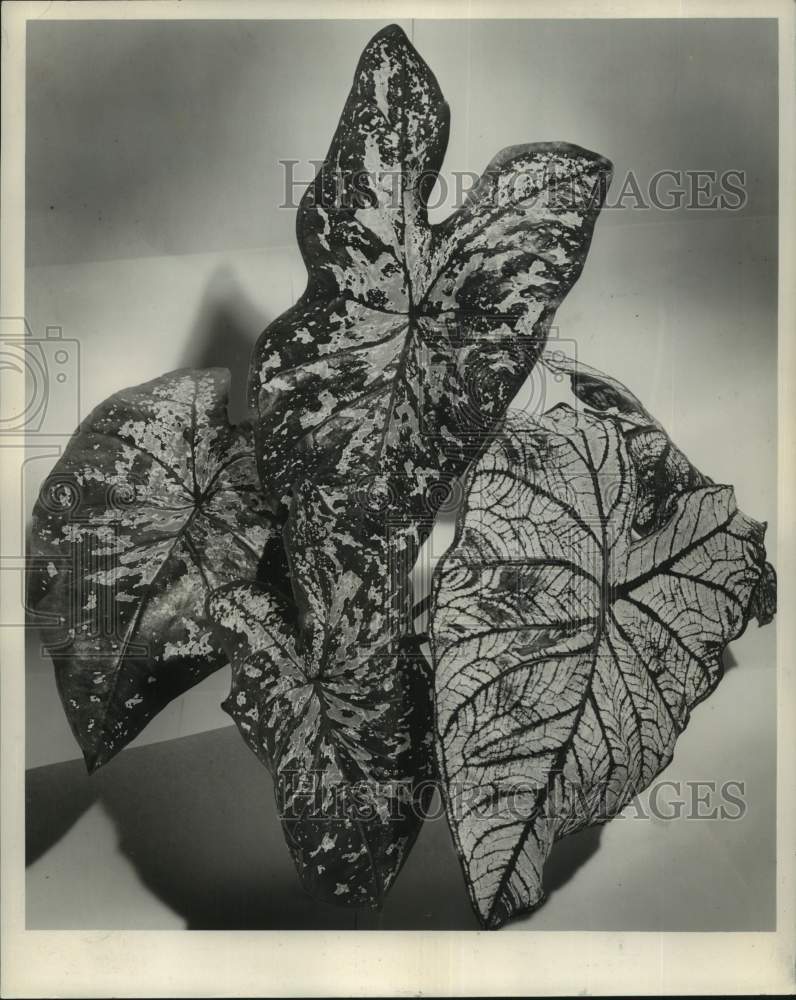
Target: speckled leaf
[338, 710]
[410, 339]
[154, 502]
[387, 376]
[569, 646]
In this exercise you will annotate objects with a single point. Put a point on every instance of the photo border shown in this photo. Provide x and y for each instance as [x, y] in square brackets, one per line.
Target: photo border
[358, 963]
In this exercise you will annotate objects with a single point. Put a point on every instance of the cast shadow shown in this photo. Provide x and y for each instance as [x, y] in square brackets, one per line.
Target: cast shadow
[568, 855]
[224, 333]
[56, 796]
[729, 662]
[195, 818]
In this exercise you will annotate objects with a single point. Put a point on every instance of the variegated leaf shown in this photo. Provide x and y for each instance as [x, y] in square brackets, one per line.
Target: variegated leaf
[340, 710]
[154, 503]
[406, 347]
[410, 339]
[570, 647]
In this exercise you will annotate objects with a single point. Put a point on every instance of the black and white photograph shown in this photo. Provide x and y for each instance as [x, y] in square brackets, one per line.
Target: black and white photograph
[396, 500]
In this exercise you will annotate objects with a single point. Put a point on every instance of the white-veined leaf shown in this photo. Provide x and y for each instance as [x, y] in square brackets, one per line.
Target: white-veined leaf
[571, 642]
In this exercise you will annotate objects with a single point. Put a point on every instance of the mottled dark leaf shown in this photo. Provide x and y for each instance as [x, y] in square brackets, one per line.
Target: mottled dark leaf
[569, 648]
[410, 339]
[154, 503]
[388, 375]
[340, 710]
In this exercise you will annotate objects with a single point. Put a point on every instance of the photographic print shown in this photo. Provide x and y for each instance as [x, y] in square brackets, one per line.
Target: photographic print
[398, 475]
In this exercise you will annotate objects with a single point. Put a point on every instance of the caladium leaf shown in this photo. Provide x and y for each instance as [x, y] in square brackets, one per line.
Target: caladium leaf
[410, 339]
[569, 646]
[380, 384]
[662, 471]
[339, 711]
[599, 391]
[154, 503]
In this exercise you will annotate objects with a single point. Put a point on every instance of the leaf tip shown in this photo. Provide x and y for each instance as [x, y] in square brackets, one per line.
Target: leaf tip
[94, 759]
[392, 40]
[392, 32]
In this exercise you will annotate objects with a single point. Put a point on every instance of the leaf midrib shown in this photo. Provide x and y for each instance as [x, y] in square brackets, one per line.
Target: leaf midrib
[177, 537]
[560, 756]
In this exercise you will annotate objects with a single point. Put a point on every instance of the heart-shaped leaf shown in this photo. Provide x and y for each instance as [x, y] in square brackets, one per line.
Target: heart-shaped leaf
[569, 645]
[380, 385]
[154, 503]
[340, 711]
[410, 339]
